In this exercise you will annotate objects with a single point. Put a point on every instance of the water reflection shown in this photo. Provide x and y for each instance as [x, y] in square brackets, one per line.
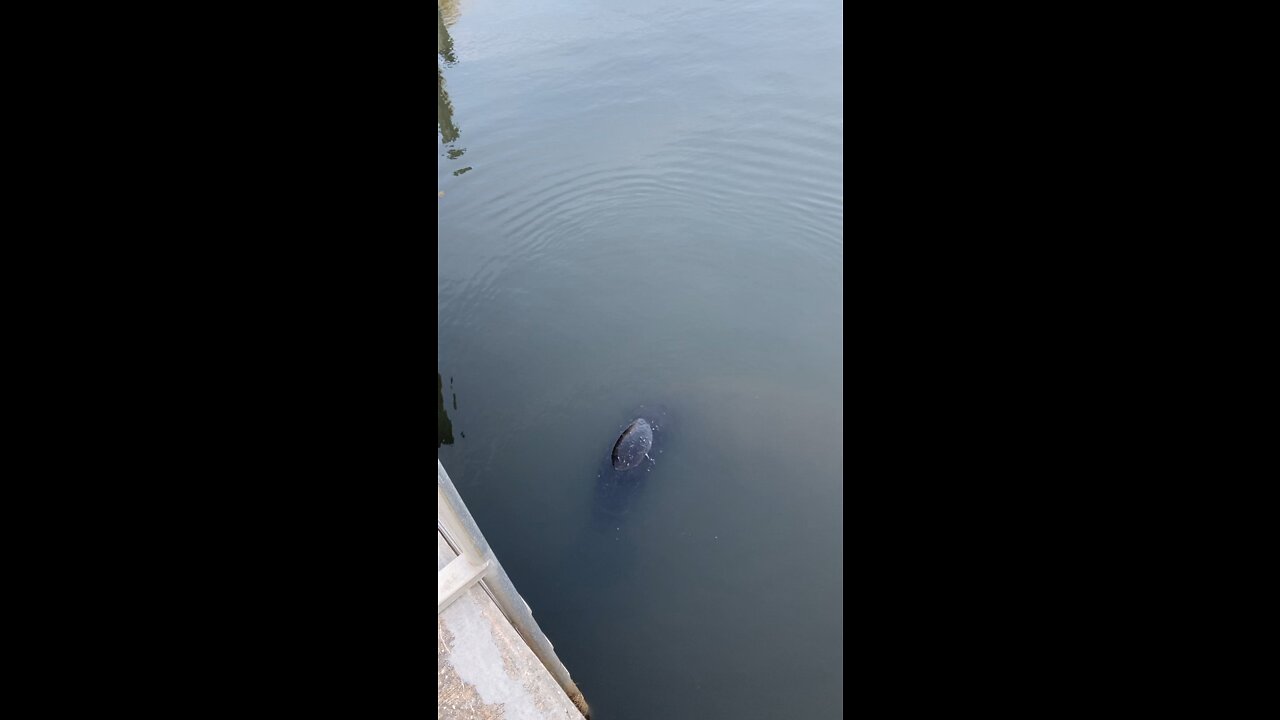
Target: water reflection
[449, 10]
[444, 428]
[445, 125]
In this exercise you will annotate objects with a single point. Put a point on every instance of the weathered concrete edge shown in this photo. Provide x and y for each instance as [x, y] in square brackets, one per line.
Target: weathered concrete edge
[504, 595]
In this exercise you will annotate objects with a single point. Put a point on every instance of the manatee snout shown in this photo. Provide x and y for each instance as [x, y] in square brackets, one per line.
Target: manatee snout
[633, 445]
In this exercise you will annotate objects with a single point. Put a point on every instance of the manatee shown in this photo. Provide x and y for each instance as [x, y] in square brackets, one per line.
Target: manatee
[633, 445]
[629, 465]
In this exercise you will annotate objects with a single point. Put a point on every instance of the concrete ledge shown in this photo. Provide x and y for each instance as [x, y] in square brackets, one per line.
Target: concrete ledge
[485, 670]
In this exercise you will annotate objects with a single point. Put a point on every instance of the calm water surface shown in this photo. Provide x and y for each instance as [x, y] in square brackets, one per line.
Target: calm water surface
[643, 213]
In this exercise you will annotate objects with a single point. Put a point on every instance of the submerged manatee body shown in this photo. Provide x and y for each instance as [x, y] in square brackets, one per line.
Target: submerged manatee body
[633, 445]
[629, 466]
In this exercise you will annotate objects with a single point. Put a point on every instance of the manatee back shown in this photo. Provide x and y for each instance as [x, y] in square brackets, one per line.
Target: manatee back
[633, 445]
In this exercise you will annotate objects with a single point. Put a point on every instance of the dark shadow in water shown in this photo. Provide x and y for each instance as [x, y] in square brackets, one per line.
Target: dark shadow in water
[617, 494]
[444, 112]
[444, 428]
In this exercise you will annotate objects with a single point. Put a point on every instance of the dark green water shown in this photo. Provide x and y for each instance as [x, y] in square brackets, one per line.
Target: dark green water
[644, 205]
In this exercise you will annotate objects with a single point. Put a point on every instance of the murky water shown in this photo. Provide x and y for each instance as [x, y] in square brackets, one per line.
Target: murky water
[643, 206]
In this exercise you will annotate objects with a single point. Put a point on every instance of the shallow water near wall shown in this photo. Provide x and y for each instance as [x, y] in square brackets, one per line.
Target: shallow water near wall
[642, 205]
